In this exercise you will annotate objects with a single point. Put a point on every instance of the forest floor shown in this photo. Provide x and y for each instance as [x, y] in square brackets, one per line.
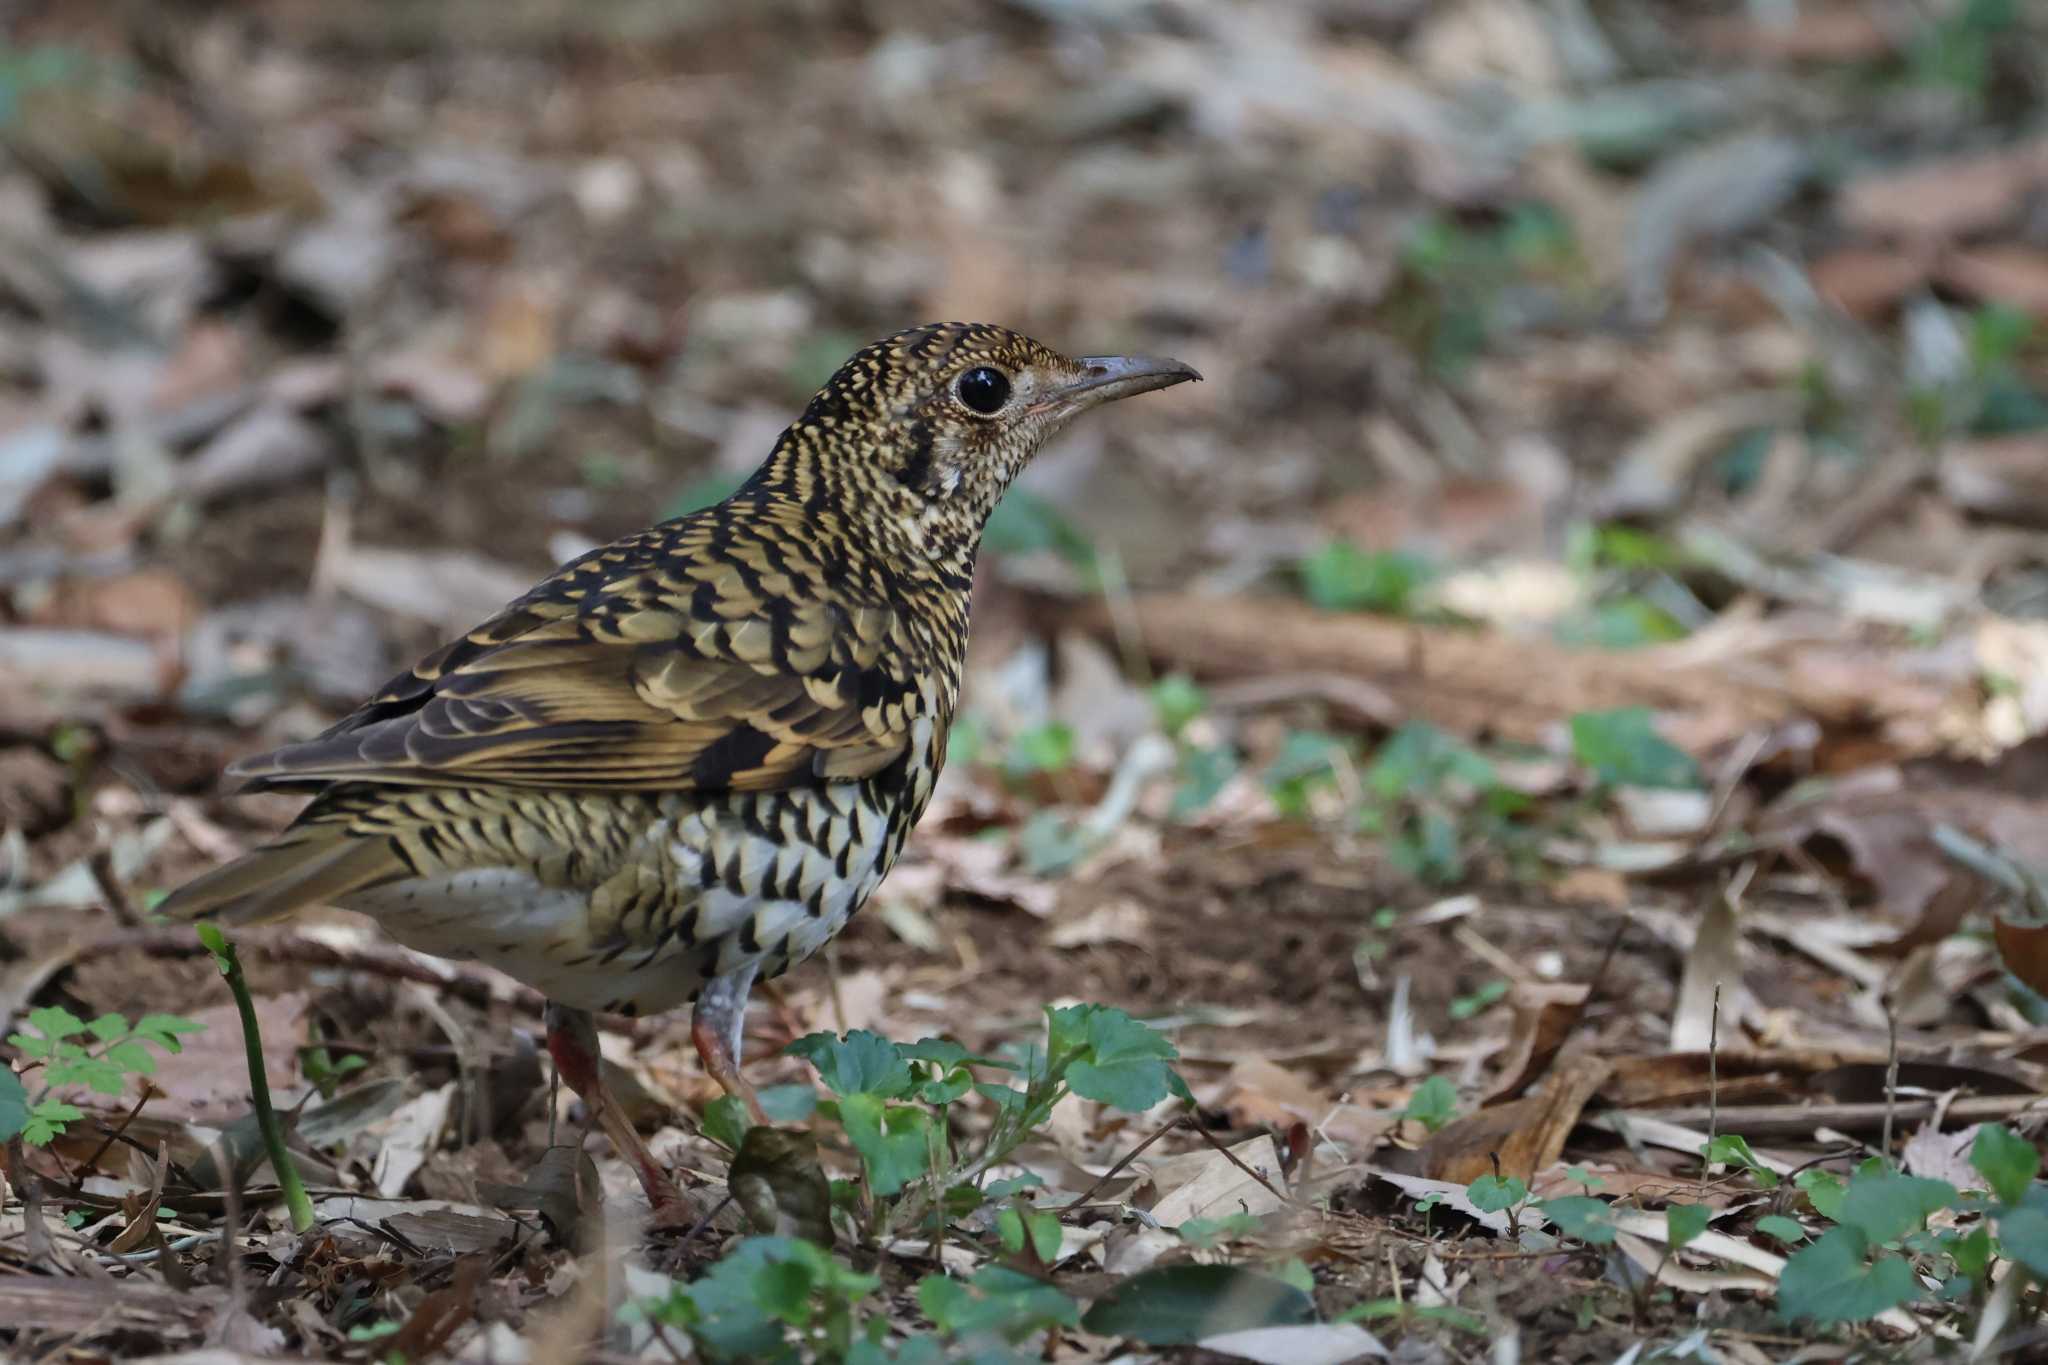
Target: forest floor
[1548, 733]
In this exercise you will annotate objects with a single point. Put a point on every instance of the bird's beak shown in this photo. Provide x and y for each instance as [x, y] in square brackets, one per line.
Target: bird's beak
[1105, 378]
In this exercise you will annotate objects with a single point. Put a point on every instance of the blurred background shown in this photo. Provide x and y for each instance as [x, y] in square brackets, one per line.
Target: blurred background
[1619, 414]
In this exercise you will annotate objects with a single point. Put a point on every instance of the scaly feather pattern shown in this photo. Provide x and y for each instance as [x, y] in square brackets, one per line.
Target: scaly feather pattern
[683, 760]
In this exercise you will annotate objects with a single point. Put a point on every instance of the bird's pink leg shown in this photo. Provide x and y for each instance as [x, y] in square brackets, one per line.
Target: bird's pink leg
[572, 1042]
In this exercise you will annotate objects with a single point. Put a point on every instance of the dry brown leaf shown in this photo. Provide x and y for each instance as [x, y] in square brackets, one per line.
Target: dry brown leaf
[1545, 1015]
[1945, 198]
[1712, 980]
[1467, 682]
[1832, 31]
[1868, 282]
[2005, 477]
[2013, 274]
[1208, 1184]
[2023, 948]
[1261, 1094]
[1523, 1136]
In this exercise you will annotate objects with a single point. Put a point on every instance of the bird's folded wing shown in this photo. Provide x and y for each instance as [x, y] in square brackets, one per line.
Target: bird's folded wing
[638, 690]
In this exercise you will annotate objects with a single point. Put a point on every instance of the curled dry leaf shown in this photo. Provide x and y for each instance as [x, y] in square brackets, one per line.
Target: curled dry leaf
[1523, 1135]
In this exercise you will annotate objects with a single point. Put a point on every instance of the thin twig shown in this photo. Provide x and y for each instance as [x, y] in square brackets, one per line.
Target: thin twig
[1126, 1159]
[1237, 1161]
[1713, 1081]
[1891, 1076]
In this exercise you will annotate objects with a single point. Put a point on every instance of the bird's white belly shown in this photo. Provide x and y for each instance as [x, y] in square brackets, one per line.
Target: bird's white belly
[539, 934]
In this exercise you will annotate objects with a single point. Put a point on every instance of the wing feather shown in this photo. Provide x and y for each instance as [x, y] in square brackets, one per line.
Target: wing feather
[648, 665]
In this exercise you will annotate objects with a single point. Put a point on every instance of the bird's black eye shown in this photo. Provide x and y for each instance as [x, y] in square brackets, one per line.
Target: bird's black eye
[983, 390]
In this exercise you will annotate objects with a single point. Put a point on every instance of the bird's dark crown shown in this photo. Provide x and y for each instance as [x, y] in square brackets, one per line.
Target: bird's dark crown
[917, 435]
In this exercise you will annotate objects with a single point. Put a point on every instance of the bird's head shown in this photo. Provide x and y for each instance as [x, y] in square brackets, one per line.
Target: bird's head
[929, 426]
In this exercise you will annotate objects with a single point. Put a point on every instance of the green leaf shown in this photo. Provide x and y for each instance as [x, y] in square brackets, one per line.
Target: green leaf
[1434, 1103]
[215, 942]
[132, 1055]
[47, 1120]
[1203, 773]
[1683, 1223]
[1972, 1253]
[1176, 700]
[108, 1027]
[1112, 1058]
[1051, 843]
[1886, 1206]
[35, 1049]
[788, 1103]
[783, 1289]
[1580, 1216]
[1420, 759]
[997, 1302]
[1778, 1226]
[893, 1140]
[1342, 577]
[860, 1063]
[1732, 1149]
[725, 1122]
[1824, 1190]
[2007, 1161]
[1047, 748]
[55, 1022]
[1830, 1281]
[1493, 1193]
[165, 1029]
[94, 1073]
[1181, 1304]
[1013, 1184]
[2023, 1232]
[946, 1088]
[1623, 748]
[13, 1105]
[1023, 523]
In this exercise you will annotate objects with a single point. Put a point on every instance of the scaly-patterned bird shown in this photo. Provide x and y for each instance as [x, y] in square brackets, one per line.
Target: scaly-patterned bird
[682, 762]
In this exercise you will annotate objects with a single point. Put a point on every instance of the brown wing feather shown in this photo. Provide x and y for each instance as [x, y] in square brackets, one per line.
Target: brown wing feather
[638, 669]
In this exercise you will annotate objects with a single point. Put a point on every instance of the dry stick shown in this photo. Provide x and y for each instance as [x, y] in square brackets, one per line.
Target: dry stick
[1891, 1077]
[1235, 1160]
[1780, 1120]
[1126, 1159]
[1713, 1083]
[114, 1135]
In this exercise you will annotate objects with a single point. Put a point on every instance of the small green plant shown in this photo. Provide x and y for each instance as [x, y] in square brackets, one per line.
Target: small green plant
[1433, 1104]
[893, 1101]
[780, 1299]
[1045, 748]
[230, 965]
[99, 1054]
[1342, 577]
[1460, 278]
[1732, 1149]
[325, 1071]
[1431, 797]
[1622, 748]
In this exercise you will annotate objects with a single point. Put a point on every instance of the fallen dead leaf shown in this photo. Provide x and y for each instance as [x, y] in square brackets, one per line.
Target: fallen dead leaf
[1208, 1184]
[1519, 1137]
[1945, 198]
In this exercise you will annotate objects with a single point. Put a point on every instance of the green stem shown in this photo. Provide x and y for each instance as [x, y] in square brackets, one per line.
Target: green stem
[259, 1085]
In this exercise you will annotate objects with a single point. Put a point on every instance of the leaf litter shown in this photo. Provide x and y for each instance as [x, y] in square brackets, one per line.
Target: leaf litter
[1543, 748]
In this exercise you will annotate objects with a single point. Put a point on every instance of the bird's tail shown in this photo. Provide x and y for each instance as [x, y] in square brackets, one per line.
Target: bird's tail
[312, 865]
